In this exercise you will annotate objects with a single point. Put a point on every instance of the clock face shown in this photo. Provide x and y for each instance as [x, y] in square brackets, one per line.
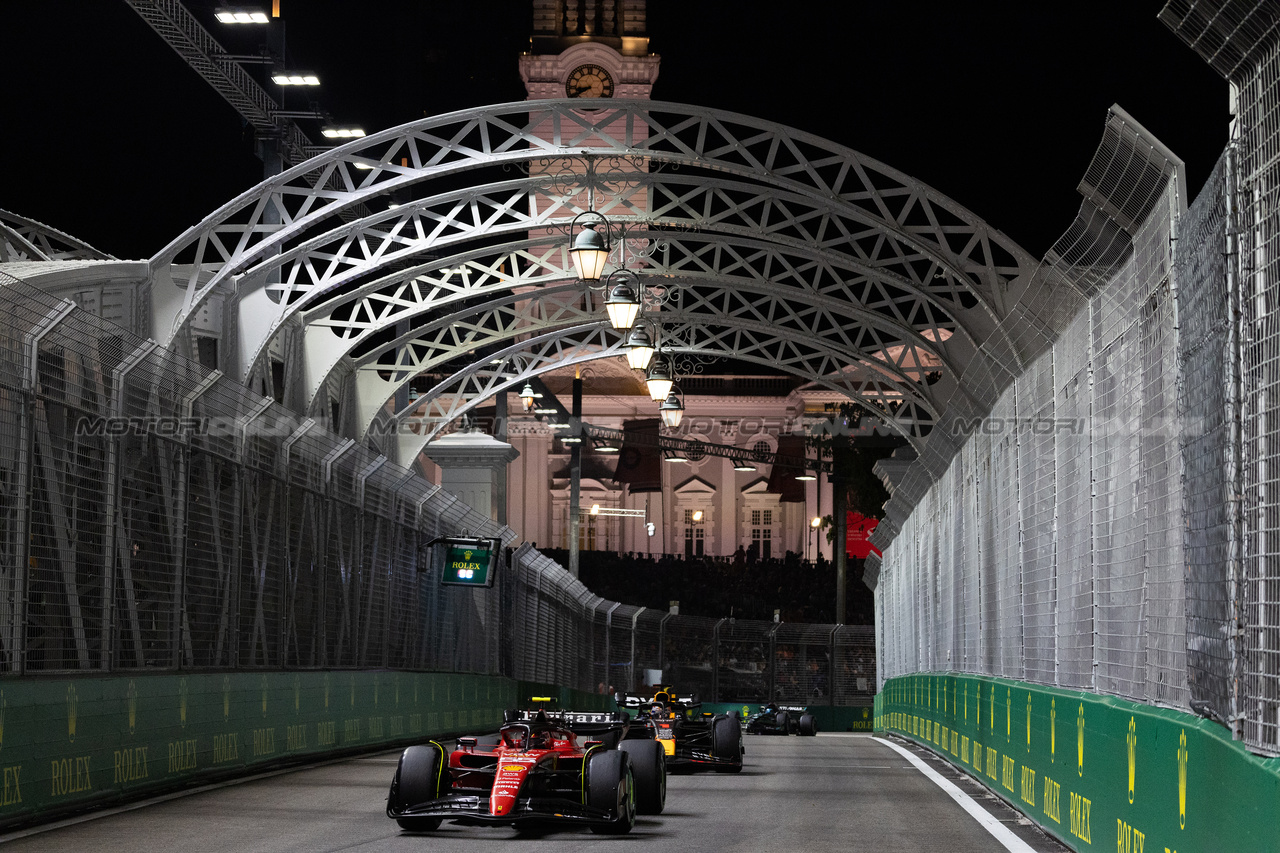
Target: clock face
[589, 81]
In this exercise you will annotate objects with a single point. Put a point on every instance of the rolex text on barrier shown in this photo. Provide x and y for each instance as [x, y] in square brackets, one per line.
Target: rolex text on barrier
[1093, 770]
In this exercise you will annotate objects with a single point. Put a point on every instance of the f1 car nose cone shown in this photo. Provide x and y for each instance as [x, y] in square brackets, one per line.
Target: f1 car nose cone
[506, 785]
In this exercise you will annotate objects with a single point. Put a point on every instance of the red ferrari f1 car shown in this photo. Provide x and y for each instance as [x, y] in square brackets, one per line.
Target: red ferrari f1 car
[537, 771]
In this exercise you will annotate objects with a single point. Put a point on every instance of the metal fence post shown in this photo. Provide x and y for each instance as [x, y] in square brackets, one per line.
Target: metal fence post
[367, 571]
[631, 667]
[773, 660]
[715, 661]
[23, 487]
[180, 635]
[329, 459]
[291, 565]
[662, 645]
[831, 665]
[113, 477]
[608, 652]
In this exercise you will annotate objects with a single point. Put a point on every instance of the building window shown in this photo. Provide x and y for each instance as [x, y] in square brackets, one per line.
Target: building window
[587, 534]
[694, 541]
[762, 533]
[695, 535]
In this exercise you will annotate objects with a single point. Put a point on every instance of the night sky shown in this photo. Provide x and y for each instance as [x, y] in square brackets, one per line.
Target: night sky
[109, 136]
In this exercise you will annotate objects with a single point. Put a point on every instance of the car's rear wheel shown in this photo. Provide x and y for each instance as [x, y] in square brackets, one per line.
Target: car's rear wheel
[610, 786]
[808, 725]
[418, 779]
[726, 743]
[784, 723]
[649, 768]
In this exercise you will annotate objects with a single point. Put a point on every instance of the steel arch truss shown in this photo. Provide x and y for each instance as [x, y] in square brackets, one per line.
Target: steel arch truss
[824, 339]
[778, 246]
[23, 239]
[425, 418]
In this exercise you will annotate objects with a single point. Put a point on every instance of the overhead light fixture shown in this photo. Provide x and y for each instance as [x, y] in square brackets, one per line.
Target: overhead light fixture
[606, 447]
[671, 410]
[590, 250]
[639, 347]
[816, 521]
[227, 15]
[805, 477]
[364, 167]
[595, 509]
[743, 466]
[527, 396]
[622, 304]
[342, 132]
[571, 439]
[659, 379]
[677, 456]
[697, 515]
[557, 425]
[546, 410]
[294, 78]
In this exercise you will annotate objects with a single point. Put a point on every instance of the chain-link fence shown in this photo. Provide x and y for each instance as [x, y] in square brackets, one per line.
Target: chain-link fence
[1116, 527]
[154, 515]
[1051, 550]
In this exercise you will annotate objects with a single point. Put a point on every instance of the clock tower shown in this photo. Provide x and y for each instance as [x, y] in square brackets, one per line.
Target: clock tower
[589, 49]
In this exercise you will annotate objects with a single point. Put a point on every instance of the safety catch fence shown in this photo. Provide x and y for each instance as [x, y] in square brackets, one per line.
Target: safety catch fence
[155, 515]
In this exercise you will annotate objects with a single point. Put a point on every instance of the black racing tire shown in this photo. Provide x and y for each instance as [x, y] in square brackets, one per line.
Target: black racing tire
[649, 769]
[784, 723]
[807, 726]
[418, 779]
[610, 786]
[726, 743]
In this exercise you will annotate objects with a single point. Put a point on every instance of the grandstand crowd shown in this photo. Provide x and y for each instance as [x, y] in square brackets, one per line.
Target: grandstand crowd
[793, 589]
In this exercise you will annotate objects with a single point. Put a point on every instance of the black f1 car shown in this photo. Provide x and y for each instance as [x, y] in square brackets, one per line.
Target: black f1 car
[775, 719]
[690, 739]
[536, 771]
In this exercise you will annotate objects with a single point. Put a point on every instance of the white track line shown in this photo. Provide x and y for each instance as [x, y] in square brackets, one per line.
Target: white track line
[988, 821]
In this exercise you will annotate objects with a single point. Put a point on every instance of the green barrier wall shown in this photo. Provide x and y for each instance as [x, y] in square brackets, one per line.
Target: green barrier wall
[830, 718]
[67, 744]
[1096, 771]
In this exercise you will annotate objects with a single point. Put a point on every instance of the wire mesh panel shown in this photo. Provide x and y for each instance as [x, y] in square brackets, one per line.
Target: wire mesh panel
[1036, 496]
[1117, 538]
[854, 666]
[1003, 489]
[1205, 368]
[744, 652]
[1256, 196]
[803, 663]
[649, 646]
[1075, 522]
[688, 654]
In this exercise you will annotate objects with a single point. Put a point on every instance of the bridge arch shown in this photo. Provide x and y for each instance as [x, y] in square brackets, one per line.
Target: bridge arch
[364, 251]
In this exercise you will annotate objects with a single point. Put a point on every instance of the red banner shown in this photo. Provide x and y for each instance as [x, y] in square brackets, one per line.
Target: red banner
[857, 534]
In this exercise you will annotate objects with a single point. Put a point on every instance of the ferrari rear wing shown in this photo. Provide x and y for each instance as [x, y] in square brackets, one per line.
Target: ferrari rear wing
[578, 722]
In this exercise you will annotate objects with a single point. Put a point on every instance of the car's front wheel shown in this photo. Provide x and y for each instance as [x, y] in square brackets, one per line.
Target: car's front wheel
[418, 779]
[726, 743]
[610, 786]
[649, 768]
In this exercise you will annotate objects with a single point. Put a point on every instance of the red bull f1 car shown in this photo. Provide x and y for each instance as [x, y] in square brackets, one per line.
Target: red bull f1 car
[774, 719]
[542, 768]
[690, 739]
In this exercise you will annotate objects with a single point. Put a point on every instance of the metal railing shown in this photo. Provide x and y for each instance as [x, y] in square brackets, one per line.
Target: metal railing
[154, 515]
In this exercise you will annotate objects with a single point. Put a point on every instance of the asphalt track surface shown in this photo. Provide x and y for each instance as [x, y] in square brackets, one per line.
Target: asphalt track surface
[841, 792]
